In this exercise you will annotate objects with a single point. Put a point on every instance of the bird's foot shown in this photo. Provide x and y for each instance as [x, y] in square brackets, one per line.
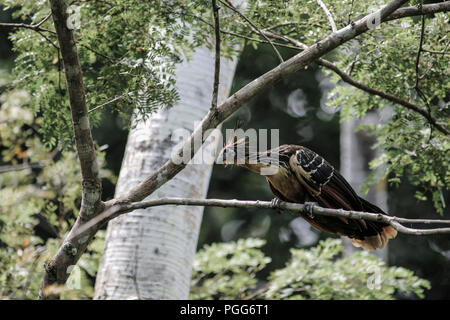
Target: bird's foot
[275, 204]
[309, 207]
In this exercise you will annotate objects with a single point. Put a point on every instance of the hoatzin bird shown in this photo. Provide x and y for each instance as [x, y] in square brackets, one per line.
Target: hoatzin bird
[301, 176]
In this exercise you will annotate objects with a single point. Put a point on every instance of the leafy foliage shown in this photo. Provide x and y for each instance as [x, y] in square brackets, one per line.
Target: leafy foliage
[227, 271]
[40, 199]
[129, 51]
[126, 56]
[385, 58]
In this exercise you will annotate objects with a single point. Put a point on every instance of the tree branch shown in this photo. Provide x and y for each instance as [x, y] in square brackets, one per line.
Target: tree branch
[37, 27]
[19, 167]
[328, 14]
[418, 10]
[230, 6]
[43, 20]
[69, 253]
[34, 27]
[288, 23]
[215, 10]
[109, 102]
[234, 34]
[99, 53]
[295, 208]
[57, 270]
[80, 120]
[348, 79]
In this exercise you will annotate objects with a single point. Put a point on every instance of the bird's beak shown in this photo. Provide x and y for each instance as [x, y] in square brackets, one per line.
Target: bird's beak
[227, 155]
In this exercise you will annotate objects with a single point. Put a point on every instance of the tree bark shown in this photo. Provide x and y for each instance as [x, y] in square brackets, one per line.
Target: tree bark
[149, 252]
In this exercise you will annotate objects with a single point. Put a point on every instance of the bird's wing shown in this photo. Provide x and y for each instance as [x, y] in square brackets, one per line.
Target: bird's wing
[330, 189]
[312, 170]
[323, 181]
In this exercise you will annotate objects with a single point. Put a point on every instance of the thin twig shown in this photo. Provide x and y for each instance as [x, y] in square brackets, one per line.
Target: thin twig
[34, 27]
[422, 32]
[230, 6]
[288, 23]
[39, 29]
[26, 26]
[350, 13]
[97, 53]
[435, 52]
[215, 10]
[108, 102]
[47, 39]
[234, 34]
[258, 292]
[328, 14]
[43, 20]
[19, 167]
[348, 79]
[416, 83]
[419, 10]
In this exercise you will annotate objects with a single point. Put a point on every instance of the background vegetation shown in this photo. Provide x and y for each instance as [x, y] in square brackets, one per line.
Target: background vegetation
[40, 203]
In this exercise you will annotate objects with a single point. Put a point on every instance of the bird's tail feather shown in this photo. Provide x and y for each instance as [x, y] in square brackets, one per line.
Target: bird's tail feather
[377, 241]
[382, 231]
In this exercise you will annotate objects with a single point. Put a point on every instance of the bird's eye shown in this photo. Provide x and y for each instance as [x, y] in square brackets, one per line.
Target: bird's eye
[230, 153]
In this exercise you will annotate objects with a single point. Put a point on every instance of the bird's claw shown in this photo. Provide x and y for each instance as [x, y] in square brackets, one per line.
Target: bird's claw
[309, 207]
[275, 204]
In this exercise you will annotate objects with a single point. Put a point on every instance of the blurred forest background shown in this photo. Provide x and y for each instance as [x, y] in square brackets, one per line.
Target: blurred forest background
[295, 106]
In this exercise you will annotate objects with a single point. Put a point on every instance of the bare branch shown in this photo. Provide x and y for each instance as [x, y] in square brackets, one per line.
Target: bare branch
[80, 120]
[350, 13]
[328, 14]
[419, 51]
[215, 10]
[36, 27]
[57, 270]
[19, 167]
[289, 23]
[43, 20]
[98, 53]
[348, 79]
[47, 39]
[230, 6]
[109, 102]
[425, 9]
[40, 30]
[291, 207]
[435, 52]
[416, 83]
[238, 35]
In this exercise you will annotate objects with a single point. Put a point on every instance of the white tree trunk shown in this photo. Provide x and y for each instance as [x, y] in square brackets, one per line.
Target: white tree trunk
[356, 153]
[149, 253]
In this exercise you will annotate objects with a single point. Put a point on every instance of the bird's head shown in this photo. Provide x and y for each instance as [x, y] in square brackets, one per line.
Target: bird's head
[238, 151]
[235, 151]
